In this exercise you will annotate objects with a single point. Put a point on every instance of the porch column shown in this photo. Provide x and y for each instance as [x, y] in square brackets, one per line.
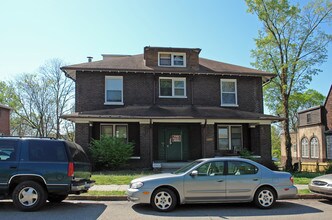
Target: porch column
[82, 135]
[145, 145]
[208, 140]
[261, 141]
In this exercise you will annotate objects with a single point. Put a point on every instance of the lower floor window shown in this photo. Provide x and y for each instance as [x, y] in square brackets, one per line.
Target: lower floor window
[230, 137]
[329, 146]
[114, 130]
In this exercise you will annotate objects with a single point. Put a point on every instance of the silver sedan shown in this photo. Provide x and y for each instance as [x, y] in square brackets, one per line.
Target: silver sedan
[213, 180]
[322, 185]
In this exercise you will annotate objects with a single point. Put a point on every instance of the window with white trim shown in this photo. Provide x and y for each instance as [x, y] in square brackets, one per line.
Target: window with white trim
[314, 148]
[305, 147]
[172, 59]
[329, 146]
[114, 130]
[230, 137]
[228, 90]
[172, 87]
[114, 90]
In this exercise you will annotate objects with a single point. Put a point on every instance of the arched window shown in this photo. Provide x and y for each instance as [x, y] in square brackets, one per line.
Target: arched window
[305, 148]
[314, 149]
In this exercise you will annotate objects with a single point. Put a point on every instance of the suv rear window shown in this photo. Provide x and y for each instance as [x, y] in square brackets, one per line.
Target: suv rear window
[77, 153]
[8, 150]
[50, 151]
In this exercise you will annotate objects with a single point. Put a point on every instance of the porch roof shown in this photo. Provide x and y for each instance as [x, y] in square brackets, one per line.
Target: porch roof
[170, 112]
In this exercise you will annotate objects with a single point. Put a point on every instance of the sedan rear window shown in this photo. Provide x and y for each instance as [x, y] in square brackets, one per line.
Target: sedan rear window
[241, 168]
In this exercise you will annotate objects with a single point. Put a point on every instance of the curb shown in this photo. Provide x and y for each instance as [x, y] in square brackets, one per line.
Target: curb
[124, 198]
[97, 198]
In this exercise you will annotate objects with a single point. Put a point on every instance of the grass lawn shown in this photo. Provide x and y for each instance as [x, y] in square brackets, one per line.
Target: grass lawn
[117, 177]
[304, 177]
[303, 191]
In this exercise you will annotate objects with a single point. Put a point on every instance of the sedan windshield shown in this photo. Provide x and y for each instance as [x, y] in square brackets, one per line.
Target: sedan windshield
[187, 167]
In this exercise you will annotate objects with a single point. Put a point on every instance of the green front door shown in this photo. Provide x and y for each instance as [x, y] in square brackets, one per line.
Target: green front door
[174, 144]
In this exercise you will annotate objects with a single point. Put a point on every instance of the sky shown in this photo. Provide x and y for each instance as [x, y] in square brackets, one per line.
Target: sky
[32, 32]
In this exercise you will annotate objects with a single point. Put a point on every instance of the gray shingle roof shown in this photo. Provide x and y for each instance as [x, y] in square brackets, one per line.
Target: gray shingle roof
[135, 63]
[172, 112]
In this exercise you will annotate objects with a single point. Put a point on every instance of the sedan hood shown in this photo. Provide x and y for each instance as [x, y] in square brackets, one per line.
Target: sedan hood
[326, 178]
[154, 177]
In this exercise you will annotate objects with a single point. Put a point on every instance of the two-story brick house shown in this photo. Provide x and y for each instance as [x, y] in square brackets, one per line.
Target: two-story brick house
[174, 105]
[4, 120]
[312, 143]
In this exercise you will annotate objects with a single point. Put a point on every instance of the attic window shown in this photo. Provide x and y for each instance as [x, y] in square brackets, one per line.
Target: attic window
[172, 59]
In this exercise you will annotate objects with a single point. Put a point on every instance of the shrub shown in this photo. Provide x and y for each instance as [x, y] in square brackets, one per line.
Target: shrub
[110, 152]
[329, 169]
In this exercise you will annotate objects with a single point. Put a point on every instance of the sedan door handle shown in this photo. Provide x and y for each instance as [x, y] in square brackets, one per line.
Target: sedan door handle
[255, 179]
[220, 181]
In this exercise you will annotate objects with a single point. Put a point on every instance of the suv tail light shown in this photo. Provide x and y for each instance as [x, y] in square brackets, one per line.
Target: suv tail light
[292, 180]
[71, 169]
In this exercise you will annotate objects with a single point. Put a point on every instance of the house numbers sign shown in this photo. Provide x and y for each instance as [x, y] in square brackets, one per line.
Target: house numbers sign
[176, 138]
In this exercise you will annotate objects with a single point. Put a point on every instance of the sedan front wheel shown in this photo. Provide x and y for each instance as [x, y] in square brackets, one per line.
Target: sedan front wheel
[163, 200]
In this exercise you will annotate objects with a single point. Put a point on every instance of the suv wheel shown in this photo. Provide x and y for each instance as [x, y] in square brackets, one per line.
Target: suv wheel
[56, 198]
[29, 196]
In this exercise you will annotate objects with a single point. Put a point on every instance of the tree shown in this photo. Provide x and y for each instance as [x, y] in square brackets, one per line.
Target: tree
[39, 100]
[275, 139]
[291, 44]
[61, 90]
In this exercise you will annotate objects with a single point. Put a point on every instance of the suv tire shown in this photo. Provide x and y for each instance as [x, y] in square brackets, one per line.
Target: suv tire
[29, 196]
[56, 198]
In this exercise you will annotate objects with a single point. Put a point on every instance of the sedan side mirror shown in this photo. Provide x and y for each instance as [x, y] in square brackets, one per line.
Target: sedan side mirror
[194, 173]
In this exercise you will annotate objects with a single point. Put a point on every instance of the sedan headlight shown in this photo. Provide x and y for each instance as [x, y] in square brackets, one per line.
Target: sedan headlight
[136, 185]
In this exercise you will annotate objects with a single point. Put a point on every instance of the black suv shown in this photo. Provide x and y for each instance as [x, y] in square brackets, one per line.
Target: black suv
[33, 170]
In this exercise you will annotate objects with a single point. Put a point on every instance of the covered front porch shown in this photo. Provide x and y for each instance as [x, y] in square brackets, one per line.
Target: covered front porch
[178, 134]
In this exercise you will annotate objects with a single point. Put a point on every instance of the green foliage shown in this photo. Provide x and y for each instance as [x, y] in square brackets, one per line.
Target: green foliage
[245, 153]
[276, 144]
[292, 44]
[329, 169]
[110, 152]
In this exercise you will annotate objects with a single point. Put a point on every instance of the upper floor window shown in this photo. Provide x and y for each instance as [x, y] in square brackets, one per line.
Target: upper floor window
[305, 147]
[114, 90]
[172, 87]
[228, 92]
[308, 118]
[172, 59]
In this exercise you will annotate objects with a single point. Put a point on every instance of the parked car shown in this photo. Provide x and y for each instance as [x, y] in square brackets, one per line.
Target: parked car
[213, 180]
[33, 170]
[322, 185]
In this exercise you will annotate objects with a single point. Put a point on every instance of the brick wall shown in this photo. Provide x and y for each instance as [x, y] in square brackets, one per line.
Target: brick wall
[82, 135]
[138, 90]
[209, 141]
[328, 109]
[5, 121]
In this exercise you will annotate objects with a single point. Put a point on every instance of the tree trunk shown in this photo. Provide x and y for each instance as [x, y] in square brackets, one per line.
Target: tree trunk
[288, 142]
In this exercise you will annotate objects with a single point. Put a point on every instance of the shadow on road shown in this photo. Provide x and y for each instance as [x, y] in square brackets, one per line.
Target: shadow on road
[229, 210]
[64, 210]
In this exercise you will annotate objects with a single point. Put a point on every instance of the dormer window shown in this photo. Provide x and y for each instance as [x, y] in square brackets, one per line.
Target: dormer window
[172, 59]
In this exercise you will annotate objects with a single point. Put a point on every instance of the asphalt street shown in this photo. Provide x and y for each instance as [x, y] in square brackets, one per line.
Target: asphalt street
[287, 209]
